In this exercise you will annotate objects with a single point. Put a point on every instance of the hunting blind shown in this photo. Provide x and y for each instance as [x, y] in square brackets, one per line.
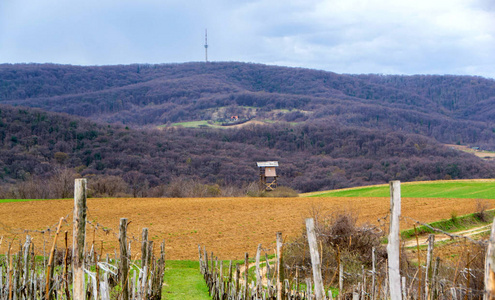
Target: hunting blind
[268, 174]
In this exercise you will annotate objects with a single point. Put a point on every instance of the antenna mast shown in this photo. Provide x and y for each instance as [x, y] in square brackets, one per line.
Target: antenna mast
[206, 45]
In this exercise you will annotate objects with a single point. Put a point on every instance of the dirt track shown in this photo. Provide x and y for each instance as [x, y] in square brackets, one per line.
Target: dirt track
[227, 226]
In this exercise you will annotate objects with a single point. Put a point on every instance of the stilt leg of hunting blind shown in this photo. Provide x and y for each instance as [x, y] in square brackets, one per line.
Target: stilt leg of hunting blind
[315, 259]
[490, 266]
[393, 247]
[79, 238]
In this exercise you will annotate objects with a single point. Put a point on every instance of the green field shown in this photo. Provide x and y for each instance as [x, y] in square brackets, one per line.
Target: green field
[195, 124]
[18, 200]
[465, 189]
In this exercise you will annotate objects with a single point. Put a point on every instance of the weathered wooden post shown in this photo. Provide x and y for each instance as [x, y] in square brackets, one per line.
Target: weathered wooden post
[144, 248]
[49, 270]
[315, 259]
[490, 266]
[429, 265]
[124, 263]
[258, 272]
[79, 238]
[280, 269]
[393, 247]
[246, 275]
[373, 272]
[341, 279]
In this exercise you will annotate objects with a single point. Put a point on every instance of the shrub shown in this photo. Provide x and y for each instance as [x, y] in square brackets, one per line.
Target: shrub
[281, 191]
[454, 218]
[480, 210]
[340, 238]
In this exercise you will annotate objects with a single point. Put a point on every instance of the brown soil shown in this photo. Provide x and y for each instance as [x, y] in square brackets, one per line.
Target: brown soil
[227, 226]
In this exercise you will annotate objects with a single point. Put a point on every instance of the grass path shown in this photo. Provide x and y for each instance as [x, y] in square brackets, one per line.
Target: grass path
[183, 281]
[439, 237]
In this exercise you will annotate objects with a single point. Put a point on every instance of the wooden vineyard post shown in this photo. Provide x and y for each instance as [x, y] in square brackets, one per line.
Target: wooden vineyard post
[429, 265]
[258, 272]
[393, 247]
[280, 269]
[124, 263]
[79, 238]
[50, 266]
[341, 279]
[144, 248]
[490, 266]
[373, 272]
[246, 275]
[315, 259]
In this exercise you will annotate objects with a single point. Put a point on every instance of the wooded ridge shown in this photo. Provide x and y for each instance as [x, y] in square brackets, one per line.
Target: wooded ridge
[313, 156]
[451, 109]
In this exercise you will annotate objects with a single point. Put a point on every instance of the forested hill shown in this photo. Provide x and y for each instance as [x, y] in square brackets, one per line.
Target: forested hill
[451, 109]
[313, 156]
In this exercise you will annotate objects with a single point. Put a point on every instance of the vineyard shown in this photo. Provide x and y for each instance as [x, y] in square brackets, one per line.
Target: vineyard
[344, 256]
[39, 263]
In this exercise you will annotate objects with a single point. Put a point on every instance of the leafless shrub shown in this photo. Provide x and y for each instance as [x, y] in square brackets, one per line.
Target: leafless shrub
[61, 183]
[253, 189]
[59, 257]
[30, 189]
[178, 188]
[158, 191]
[106, 186]
[281, 192]
[340, 238]
[181, 188]
[232, 191]
[480, 211]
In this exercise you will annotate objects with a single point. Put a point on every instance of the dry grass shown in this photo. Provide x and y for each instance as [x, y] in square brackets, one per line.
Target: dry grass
[227, 226]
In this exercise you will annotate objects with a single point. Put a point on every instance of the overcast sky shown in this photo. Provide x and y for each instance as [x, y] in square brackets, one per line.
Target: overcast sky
[343, 36]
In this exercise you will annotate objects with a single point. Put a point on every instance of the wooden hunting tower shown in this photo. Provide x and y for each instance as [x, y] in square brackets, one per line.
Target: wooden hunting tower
[268, 174]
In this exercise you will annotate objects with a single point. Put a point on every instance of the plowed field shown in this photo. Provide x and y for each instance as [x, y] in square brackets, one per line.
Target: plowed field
[227, 226]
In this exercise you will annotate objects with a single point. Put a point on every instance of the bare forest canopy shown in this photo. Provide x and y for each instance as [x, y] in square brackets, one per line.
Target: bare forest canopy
[450, 109]
[316, 155]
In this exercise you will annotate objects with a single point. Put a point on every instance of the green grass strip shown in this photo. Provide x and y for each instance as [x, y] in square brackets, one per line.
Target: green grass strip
[452, 225]
[184, 281]
[20, 200]
[462, 189]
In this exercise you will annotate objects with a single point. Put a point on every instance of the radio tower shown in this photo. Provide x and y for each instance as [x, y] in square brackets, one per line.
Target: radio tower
[206, 45]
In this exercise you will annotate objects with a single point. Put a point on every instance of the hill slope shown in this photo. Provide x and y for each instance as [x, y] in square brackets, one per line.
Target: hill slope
[312, 156]
[451, 109]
